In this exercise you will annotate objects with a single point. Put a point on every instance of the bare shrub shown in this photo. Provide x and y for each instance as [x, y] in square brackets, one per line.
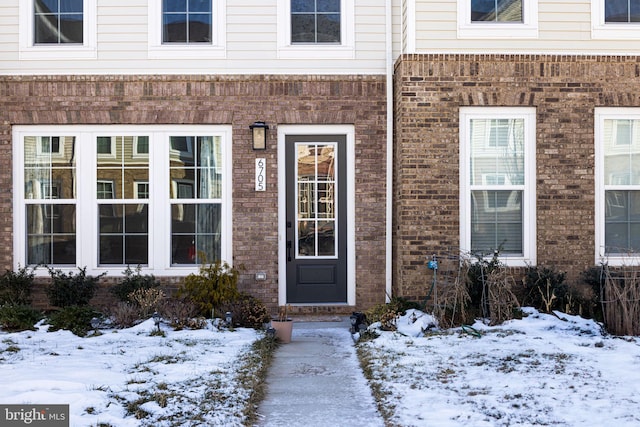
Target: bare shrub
[501, 301]
[125, 315]
[181, 314]
[453, 307]
[147, 299]
[621, 301]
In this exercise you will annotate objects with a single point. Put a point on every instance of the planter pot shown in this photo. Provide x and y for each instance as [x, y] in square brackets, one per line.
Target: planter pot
[283, 329]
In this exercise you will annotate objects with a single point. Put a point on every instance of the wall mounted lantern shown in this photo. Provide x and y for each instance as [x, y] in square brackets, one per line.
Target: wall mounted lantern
[259, 135]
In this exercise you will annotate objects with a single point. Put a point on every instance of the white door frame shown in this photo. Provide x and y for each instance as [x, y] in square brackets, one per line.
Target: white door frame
[349, 132]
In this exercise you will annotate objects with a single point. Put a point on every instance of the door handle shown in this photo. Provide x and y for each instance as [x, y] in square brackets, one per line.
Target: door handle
[289, 250]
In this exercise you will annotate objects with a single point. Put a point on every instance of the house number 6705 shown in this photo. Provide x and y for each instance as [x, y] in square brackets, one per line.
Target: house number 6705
[261, 176]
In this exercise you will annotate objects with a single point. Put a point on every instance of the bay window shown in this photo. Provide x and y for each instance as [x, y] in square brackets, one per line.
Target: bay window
[154, 196]
[497, 183]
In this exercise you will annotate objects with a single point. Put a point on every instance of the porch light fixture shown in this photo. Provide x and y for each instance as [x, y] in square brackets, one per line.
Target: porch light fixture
[259, 135]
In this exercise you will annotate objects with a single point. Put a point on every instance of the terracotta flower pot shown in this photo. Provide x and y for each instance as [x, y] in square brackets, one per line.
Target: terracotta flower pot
[283, 329]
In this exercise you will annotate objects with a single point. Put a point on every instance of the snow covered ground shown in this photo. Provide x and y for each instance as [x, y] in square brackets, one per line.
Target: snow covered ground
[128, 377]
[541, 370]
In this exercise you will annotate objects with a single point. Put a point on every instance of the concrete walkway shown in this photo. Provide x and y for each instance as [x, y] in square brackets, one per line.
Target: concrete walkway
[316, 380]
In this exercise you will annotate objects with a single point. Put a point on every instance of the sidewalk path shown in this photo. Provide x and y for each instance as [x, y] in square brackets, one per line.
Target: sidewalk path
[316, 380]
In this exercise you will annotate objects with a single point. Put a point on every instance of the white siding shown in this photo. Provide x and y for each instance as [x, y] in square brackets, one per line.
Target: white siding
[564, 28]
[251, 44]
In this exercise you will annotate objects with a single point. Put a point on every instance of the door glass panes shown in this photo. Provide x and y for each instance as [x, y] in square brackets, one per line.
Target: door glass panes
[195, 191]
[58, 21]
[122, 213]
[186, 21]
[49, 192]
[621, 11]
[497, 185]
[622, 186]
[496, 11]
[316, 199]
[315, 21]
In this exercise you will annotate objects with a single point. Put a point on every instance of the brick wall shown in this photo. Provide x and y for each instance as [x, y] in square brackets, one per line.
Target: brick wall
[235, 100]
[430, 89]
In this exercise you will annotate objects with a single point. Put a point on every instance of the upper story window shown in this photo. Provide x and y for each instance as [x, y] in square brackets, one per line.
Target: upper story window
[615, 19]
[497, 183]
[187, 29]
[58, 21]
[316, 29]
[57, 29]
[315, 21]
[486, 19]
[496, 11]
[617, 140]
[186, 21]
[621, 11]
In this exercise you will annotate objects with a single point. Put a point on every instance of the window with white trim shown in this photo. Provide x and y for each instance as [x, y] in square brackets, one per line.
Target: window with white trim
[615, 19]
[487, 19]
[497, 183]
[316, 29]
[57, 29]
[187, 29]
[617, 136]
[168, 210]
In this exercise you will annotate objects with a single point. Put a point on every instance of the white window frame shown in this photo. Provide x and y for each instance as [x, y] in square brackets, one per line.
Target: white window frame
[528, 29]
[528, 114]
[613, 30]
[86, 200]
[602, 114]
[214, 50]
[28, 50]
[344, 50]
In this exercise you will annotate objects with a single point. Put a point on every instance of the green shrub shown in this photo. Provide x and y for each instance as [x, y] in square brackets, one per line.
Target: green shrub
[15, 286]
[477, 278]
[15, 318]
[133, 280]
[76, 319]
[594, 278]
[545, 289]
[215, 286]
[71, 289]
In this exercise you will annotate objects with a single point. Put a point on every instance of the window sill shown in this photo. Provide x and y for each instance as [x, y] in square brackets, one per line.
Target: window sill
[493, 31]
[312, 51]
[616, 32]
[184, 51]
[58, 52]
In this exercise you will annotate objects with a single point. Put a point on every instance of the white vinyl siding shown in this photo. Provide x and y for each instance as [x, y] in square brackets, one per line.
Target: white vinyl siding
[564, 26]
[250, 46]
